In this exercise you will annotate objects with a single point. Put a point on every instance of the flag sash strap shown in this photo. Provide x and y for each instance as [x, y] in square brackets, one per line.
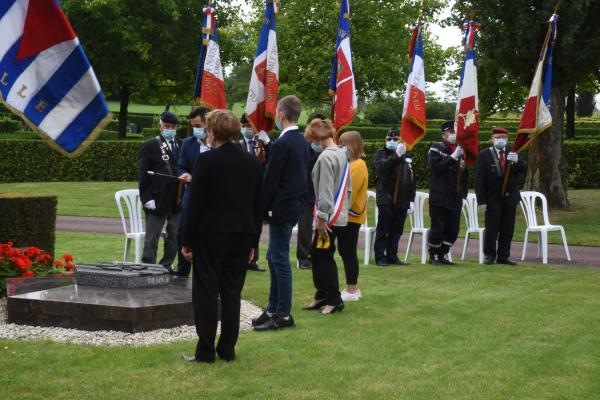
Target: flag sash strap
[338, 200]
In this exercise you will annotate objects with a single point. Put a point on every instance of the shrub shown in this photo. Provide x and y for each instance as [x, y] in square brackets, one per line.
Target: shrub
[9, 125]
[28, 220]
[384, 111]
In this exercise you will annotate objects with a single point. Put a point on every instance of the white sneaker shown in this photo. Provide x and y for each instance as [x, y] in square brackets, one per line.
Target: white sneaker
[358, 293]
[350, 296]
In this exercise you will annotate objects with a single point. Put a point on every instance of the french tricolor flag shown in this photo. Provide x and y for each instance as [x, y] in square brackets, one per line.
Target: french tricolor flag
[210, 86]
[341, 83]
[537, 115]
[262, 95]
[414, 121]
[467, 107]
[46, 78]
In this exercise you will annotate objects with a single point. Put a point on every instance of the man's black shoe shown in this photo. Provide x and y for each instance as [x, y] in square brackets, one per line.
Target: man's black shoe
[506, 261]
[488, 260]
[435, 260]
[262, 318]
[275, 323]
[396, 261]
[446, 261]
[304, 264]
[381, 262]
[254, 267]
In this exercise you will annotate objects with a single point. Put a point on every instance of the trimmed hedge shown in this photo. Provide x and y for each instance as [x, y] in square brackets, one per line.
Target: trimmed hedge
[9, 125]
[35, 161]
[28, 220]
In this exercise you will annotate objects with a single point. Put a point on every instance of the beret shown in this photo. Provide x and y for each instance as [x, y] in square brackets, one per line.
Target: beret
[169, 118]
[498, 130]
[447, 125]
[393, 132]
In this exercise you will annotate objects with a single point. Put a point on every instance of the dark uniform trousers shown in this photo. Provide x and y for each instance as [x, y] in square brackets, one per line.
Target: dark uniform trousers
[324, 271]
[390, 226]
[499, 224]
[305, 231]
[219, 268]
[154, 227]
[445, 225]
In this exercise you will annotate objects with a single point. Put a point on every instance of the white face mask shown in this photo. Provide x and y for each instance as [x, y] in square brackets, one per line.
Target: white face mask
[452, 138]
[500, 143]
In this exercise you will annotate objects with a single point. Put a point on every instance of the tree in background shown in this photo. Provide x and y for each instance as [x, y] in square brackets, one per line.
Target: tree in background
[149, 49]
[511, 38]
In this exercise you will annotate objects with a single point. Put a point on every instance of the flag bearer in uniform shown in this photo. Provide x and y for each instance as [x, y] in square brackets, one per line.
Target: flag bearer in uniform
[500, 208]
[448, 187]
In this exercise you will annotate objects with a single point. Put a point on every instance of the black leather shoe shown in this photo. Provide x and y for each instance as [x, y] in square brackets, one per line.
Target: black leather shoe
[317, 306]
[435, 260]
[262, 318]
[506, 261]
[276, 323]
[488, 260]
[254, 267]
[446, 261]
[396, 261]
[304, 264]
[381, 262]
[336, 308]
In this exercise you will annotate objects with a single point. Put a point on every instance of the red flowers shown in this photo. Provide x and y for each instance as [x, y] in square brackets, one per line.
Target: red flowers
[31, 262]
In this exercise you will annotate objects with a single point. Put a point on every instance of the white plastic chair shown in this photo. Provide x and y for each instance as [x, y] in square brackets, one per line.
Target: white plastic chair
[528, 202]
[472, 220]
[369, 231]
[417, 223]
[134, 228]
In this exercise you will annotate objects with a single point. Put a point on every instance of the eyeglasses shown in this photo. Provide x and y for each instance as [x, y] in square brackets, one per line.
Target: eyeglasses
[389, 139]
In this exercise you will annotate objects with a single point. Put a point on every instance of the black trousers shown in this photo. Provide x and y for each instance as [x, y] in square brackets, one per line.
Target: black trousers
[305, 231]
[445, 225]
[324, 270]
[347, 246]
[390, 226]
[220, 261]
[500, 226]
[257, 248]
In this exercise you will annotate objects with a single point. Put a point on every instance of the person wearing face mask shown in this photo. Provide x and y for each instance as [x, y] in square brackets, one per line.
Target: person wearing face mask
[448, 187]
[500, 211]
[258, 146]
[305, 223]
[191, 147]
[286, 188]
[395, 185]
[158, 194]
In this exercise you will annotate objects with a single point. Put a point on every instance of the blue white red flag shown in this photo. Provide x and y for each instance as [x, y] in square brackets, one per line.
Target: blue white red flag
[46, 78]
[414, 122]
[209, 89]
[341, 83]
[262, 95]
[537, 115]
[466, 123]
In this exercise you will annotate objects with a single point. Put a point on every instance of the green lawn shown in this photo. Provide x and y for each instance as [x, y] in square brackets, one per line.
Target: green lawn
[96, 199]
[420, 332]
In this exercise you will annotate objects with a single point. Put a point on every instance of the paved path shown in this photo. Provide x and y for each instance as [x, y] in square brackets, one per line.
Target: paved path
[580, 255]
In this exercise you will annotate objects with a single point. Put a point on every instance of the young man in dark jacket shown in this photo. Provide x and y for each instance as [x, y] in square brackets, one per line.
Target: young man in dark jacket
[395, 191]
[500, 210]
[448, 188]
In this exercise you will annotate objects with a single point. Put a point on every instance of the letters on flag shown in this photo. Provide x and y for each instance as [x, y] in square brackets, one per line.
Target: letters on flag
[210, 87]
[262, 95]
[46, 78]
[414, 122]
[341, 83]
[467, 106]
[537, 115]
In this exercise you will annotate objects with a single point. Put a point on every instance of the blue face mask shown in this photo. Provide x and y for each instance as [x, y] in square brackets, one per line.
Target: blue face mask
[345, 150]
[278, 124]
[316, 147]
[200, 133]
[247, 133]
[169, 134]
[391, 145]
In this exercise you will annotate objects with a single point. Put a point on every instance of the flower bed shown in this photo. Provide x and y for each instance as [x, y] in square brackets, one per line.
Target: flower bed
[30, 262]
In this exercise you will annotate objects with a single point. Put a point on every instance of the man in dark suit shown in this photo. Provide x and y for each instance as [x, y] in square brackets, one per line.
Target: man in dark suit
[286, 187]
[190, 149]
[258, 145]
[220, 231]
[159, 193]
[448, 188]
[500, 209]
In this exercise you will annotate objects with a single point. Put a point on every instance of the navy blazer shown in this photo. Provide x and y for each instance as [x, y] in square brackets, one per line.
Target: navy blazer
[190, 148]
[287, 178]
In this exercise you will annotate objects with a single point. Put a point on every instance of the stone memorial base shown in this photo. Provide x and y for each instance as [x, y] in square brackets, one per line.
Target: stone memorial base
[40, 302]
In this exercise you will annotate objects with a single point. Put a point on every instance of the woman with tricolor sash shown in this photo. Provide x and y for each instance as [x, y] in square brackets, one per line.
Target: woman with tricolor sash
[332, 184]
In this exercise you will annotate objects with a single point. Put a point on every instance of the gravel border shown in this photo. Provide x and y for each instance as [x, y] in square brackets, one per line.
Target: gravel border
[111, 338]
